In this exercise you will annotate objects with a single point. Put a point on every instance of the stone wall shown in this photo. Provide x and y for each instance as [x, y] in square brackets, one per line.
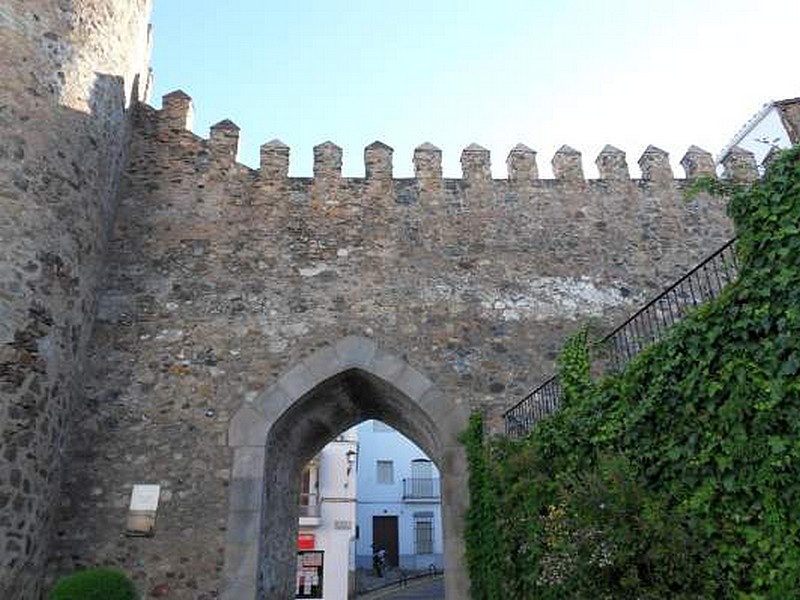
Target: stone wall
[68, 71]
[222, 278]
[790, 117]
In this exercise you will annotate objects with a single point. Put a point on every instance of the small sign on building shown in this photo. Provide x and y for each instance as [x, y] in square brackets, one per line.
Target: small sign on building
[305, 541]
[142, 510]
[310, 567]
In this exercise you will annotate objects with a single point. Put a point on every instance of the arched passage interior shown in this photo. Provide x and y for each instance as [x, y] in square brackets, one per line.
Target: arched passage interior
[273, 438]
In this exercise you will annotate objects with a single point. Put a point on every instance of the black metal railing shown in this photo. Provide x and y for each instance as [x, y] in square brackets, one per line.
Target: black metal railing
[396, 578]
[649, 324]
[309, 505]
[541, 402]
[421, 488]
[646, 326]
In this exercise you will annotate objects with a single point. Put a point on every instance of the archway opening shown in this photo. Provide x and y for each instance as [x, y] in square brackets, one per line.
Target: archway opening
[318, 418]
[275, 437]
[398, 509]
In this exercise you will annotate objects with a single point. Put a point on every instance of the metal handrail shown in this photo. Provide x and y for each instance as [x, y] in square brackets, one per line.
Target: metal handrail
[647, 325]
[541, 402]
[432, 572]
[416, 488]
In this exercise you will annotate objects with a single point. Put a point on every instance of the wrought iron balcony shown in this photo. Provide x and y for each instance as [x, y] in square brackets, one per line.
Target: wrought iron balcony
[309, 505]
[421, 488]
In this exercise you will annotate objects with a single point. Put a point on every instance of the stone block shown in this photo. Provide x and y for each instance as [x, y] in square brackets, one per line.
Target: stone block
[246, 494]
[428, 167]
[355, 351]
[611, 164]
[451, 414]
[567, 164]
[327, 162]
[297, 382]
[238, 590]
[274, 164]
[740, 165]
[273, 401]
[387, 365]
[698, 163]
[248, 463]
[176, 110]
[454, 462]
[243, 527]
[324, 364]
[248, 427]
[224, 142]
[241, 566]
[476, 165]
[378, 162]
[655, 166]
[521, 164]
[411, 382]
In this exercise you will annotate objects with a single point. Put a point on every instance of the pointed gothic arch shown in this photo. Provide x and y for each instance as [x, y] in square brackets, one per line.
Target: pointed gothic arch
[273, 437]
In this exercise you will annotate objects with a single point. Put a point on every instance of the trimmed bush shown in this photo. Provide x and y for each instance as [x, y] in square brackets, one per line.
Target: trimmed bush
[94, 584]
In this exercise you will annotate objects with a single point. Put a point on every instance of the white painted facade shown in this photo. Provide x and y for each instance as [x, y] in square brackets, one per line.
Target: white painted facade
[416, 506]
[328, 513]
[764, 131]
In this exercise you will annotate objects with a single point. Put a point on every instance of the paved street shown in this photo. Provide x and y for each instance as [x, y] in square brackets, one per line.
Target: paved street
[428, 590]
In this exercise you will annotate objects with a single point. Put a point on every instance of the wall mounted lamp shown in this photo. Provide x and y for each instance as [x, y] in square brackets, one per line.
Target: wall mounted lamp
[351, 456]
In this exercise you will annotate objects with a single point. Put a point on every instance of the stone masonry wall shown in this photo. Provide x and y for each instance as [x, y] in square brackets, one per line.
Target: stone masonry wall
[221, 278]
[68, 69]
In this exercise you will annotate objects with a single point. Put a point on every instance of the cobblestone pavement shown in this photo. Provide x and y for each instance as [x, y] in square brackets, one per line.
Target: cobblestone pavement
[427, 590]
[366, 581]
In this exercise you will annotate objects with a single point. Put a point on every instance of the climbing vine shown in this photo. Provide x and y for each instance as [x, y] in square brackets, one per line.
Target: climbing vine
[679, 477]
[481, 557]
[573, 368]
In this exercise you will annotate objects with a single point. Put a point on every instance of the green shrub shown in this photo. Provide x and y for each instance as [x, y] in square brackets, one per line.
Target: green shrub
[679, 477]
[94, 584]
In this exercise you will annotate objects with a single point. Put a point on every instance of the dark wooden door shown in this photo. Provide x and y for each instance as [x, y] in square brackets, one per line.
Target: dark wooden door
[384, 535]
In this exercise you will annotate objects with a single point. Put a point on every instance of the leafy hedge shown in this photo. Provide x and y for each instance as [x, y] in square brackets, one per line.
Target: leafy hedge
[94, 584]
[680, 477]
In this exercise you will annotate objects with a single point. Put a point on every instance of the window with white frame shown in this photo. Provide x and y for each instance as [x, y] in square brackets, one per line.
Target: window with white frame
[421, 468]
[421, 482]
[423, 533]
[385, 471]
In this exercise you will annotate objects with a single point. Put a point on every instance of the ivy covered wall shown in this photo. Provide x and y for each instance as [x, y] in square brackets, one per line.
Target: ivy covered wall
[680, 477]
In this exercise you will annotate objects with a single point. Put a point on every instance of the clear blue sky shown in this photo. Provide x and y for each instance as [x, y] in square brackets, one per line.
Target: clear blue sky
[545, 73]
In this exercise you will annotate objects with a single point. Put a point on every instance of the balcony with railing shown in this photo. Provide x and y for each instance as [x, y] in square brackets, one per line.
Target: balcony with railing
[310, 509]
[421, 489]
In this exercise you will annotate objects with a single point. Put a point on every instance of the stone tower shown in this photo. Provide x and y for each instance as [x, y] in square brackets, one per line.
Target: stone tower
[70, 72]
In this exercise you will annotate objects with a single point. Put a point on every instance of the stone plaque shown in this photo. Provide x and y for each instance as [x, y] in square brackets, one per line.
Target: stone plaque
[142, 511]
[144, 497]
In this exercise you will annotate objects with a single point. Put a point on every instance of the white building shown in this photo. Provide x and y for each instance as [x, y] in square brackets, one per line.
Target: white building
[399, 501]
[326, 539]
[776, 125]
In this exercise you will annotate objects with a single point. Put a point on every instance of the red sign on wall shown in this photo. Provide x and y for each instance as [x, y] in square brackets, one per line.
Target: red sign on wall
[305, 541]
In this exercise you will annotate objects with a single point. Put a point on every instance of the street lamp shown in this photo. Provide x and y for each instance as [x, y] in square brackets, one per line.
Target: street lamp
[351, 456]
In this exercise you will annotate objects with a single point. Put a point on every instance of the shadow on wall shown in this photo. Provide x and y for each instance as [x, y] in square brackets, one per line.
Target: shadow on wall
[59, 172]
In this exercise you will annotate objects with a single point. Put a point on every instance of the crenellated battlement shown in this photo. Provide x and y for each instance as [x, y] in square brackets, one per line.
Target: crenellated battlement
[521, 162]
